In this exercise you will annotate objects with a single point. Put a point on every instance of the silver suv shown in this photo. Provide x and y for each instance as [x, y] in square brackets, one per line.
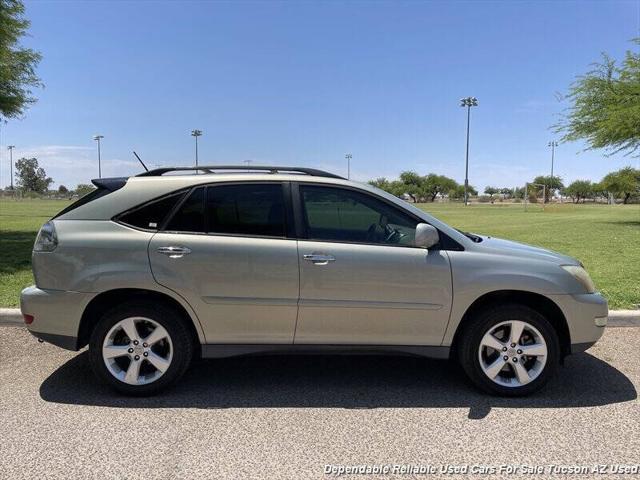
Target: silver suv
[176, 263]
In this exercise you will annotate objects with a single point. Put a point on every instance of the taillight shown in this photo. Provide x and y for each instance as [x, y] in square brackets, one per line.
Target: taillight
[47, 239]
[28, 319]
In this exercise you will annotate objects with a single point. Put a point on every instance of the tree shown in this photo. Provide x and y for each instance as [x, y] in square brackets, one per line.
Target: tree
[395, 188]
[457, 193]
[82, 189]
[63, 190]
[434, 185]
[599, 190]
[623, 183]
[605, 106]
[413, 185]
[30, 177]
[506, 192]
[17, 64]
[491, 191]
[552, 184]
[579, 190]
[381, 183]
[519, 192]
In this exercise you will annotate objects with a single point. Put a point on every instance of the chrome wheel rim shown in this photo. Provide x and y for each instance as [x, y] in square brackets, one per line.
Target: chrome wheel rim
[137, 350]
[512, 353]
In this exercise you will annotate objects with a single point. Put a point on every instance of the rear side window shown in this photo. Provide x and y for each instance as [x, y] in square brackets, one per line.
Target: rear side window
[253, 209]
[190, 216]
[151, 215]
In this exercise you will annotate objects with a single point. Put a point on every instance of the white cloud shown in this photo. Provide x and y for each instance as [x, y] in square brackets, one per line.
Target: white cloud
[69, 164]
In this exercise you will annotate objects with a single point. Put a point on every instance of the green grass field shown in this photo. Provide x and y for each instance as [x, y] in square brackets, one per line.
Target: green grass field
[605, 238]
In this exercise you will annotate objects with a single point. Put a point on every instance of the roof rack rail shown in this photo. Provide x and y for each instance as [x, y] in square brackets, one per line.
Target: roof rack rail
[210, 169]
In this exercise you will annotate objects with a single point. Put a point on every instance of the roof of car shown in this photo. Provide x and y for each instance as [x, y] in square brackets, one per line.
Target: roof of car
[219, 169]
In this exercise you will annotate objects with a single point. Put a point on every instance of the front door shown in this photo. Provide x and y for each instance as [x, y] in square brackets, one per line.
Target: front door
[226, 251]
[361, 280]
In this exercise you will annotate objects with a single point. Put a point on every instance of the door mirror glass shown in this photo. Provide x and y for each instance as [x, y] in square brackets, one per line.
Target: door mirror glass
[426, 236]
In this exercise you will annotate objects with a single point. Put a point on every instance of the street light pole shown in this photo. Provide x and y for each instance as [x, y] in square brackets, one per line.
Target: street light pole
[10, 148]
[97, 138]
[348, 156]
[553, 144]
[467, 102]
[5, 122]
[196, 133]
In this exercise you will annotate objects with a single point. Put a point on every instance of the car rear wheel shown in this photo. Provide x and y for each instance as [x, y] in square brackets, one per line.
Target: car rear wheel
[140, 349]
[509, 350]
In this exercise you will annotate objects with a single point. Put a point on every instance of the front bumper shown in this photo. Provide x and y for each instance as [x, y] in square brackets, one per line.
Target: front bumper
[57, 314]
[586, 316]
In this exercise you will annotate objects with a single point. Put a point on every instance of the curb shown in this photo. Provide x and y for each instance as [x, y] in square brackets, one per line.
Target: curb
[11, 317]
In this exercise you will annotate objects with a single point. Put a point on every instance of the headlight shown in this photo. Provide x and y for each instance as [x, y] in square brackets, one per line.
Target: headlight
[581, 275]
[47, 239]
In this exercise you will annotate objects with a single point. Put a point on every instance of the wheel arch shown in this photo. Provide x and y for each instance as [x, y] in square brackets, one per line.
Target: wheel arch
[107, 299]
[538, 302]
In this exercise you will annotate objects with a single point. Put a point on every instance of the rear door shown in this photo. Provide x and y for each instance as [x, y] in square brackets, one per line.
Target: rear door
[227, 251]
[361, 279]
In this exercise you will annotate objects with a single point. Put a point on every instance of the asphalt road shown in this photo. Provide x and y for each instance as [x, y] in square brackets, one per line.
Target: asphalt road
[287, 417]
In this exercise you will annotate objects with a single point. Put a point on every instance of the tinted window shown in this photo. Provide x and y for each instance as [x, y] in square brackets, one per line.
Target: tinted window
[337, 214]
[252, 209]
[152, 215]
[190, 216]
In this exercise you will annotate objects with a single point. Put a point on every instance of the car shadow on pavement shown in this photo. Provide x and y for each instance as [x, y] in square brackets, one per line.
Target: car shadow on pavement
[354, 382]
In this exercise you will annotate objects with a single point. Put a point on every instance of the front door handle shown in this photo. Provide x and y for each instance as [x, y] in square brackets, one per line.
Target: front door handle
[319, 258]
[174, 251]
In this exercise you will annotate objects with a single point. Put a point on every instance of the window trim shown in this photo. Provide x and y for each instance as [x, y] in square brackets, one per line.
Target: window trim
[289, 233]
[445, 243]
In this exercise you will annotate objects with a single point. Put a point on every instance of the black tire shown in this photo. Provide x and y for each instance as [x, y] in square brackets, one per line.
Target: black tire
[481, 323]
[181, 340]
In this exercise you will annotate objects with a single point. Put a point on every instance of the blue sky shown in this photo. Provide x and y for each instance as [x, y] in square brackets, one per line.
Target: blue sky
[303, 83]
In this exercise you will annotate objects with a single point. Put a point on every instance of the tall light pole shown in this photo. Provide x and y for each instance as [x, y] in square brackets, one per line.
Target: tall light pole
[10, 148]
[467, 102]
[196, 133]
[97, 138]
[553, 144]
[348, 156]
[5, 122]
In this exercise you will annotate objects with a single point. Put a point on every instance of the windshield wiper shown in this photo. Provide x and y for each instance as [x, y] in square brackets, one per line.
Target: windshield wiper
[475, 238]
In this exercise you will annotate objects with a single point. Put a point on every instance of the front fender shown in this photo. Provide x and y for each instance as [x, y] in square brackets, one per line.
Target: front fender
[475, 274]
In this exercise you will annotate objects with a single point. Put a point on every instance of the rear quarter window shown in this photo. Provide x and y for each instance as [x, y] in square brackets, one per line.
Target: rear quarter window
[150, 216]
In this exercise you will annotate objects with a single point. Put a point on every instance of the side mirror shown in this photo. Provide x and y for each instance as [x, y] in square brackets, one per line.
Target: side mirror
[426, 236]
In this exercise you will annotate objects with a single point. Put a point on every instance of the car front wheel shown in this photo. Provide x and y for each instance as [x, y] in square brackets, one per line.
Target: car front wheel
[510, 350]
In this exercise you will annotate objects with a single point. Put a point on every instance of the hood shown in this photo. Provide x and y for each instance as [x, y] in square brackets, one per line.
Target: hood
[522, 250]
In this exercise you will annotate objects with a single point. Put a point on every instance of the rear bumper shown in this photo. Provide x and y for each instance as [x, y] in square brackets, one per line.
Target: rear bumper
[586, 316]
[57, 314]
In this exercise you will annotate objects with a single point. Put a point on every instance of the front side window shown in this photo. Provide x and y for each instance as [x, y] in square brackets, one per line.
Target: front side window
[337, 214]
[252, 209]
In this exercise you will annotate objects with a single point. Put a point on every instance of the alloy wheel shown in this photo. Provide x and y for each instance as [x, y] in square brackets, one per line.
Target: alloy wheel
[512, 353]
[137, 350]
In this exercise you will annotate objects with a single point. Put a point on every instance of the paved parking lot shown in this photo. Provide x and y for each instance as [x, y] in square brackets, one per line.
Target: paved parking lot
[286, 417]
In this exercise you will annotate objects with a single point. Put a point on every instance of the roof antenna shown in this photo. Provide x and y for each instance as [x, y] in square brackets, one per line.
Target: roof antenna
[140, 160]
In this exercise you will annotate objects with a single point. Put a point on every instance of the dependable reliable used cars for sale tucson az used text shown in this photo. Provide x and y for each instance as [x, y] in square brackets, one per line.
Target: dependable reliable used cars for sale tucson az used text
[176, 263]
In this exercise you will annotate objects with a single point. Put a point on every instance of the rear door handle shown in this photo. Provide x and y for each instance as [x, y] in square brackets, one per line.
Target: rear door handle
[174, 251]
[319, 258]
